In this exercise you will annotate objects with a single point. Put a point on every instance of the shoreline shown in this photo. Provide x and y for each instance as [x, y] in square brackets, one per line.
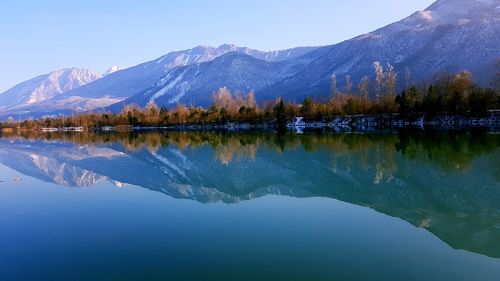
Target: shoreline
[359, 123]
[337, 126]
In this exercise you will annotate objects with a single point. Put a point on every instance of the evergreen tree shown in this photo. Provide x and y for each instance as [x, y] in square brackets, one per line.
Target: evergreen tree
[307, 107]
[408, 101]
[279, 114]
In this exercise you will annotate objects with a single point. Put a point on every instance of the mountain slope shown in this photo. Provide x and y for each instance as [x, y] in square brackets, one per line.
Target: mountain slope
[46, 86]
[449, 36]
[194, 84]
[126, 83]
[118, 85]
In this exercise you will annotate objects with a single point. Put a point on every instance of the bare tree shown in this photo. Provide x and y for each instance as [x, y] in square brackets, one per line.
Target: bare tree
[385, 86]
[224, 99]
[240, 100]
[251, 102]
[391, 78]
[348, 84]
[379, 79]
[364, 88]
[334, 85]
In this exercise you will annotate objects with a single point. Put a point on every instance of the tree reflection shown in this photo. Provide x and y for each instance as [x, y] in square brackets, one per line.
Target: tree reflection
[447, 150]
[446, 182]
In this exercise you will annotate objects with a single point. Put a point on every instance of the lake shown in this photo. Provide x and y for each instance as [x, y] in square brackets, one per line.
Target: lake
[250, 206]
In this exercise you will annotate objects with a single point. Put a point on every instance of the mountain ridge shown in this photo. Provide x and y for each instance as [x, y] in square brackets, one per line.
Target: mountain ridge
[448, 36]
[428, 43]
[47, 86]
[119, 85]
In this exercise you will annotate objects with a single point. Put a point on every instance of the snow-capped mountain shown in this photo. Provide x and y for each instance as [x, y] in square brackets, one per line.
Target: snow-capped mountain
[117, 85]
[46, 86]
[128, 82]
[449, 36]
[194, 84]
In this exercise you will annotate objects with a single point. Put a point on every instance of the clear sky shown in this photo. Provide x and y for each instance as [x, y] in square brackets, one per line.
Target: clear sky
[37, 37]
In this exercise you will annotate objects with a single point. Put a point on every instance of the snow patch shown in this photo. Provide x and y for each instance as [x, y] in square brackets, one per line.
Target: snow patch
[112, 69]
[463, 22]
[369, 36]
[426, 15]
[169, 86]
[161, 59]
[183, 87]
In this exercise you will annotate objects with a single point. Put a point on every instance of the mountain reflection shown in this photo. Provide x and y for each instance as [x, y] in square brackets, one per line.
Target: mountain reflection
[447, 183]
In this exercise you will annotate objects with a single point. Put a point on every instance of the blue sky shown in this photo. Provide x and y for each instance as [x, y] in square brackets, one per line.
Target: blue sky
[37, 37]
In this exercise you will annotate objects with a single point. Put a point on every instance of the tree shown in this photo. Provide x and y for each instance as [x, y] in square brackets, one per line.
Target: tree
[224, 99]
[164, 115]
[307, 108]
[408, 101]
[431, 103]
[379, 80]
[152, 113]
[385, 87]
[181, 113]
[334, 85]
[391, 78]
[132, 113]
[481, 100]
[457, 92]
[292, 110]
[364, 89]
[279, 113]
[348, 85]
[268, 109]
[251, 101]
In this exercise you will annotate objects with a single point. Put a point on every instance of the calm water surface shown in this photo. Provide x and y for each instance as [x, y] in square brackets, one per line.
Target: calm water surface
[250, 206]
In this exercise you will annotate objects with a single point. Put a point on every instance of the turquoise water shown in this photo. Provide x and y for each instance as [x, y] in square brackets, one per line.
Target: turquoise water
[250, 206]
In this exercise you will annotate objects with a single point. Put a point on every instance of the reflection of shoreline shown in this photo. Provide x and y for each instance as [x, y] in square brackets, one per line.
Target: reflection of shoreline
[447, 183]
[451, 150]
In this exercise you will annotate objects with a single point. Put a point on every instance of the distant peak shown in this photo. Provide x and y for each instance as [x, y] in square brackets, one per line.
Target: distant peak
[425, 15]
[75, 71]
[202, 47]
[461, 5]
[458, 12]
[112, 69]
[227, 47]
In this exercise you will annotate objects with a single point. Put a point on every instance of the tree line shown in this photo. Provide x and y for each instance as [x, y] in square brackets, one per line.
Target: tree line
[455, 94]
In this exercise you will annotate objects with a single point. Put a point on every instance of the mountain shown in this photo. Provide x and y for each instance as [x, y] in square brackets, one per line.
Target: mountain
[112, 69]
[449, 36]
[46, 86]
[195, 83]
[117, 85]
[128, 82]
